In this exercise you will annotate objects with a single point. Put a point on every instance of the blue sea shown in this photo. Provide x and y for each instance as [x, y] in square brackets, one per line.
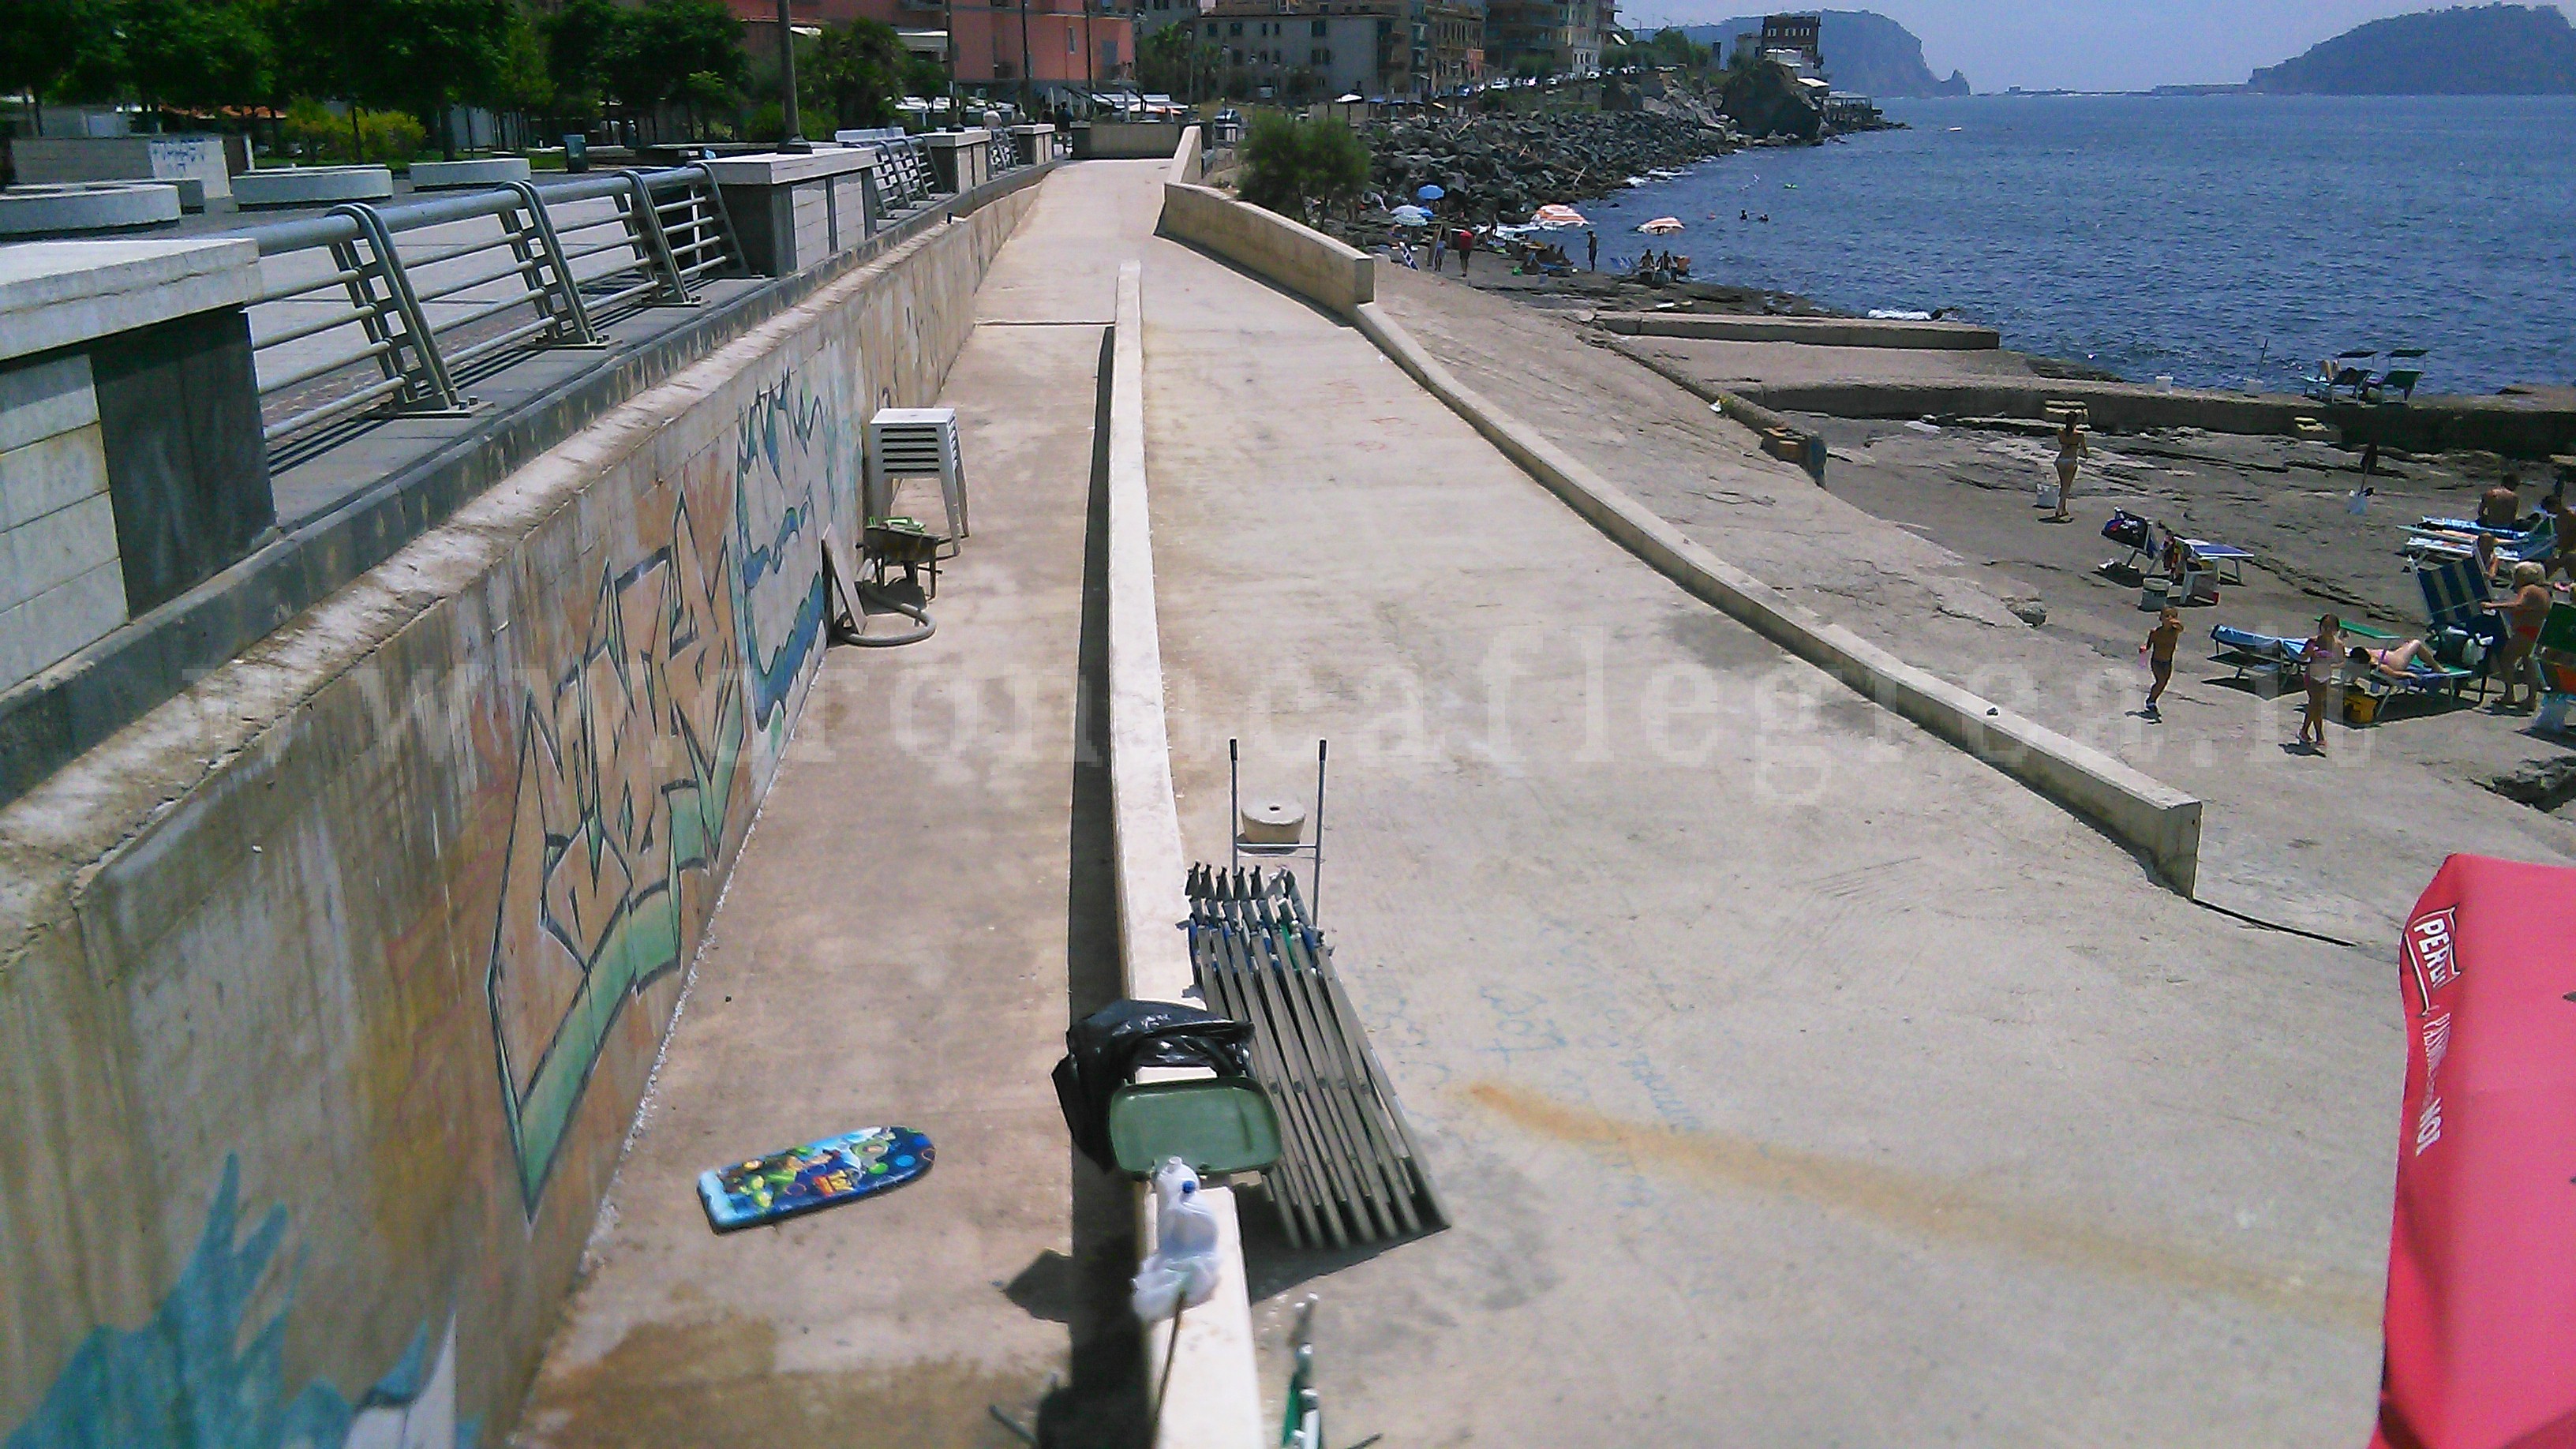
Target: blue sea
[2211, 239]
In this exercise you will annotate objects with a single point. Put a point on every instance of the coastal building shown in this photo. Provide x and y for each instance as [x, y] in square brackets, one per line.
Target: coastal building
[1797, 35]
[1546, 37]
[1372, 48]
[1052, 47]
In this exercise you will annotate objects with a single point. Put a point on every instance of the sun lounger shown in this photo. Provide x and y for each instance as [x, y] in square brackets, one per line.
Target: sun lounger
[2224, 559]
[2456, 538]
[2455, 594]
[2260, 657]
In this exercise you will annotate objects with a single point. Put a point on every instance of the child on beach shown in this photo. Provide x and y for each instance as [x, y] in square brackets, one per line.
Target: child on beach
[2159, 650]
[2319, 659]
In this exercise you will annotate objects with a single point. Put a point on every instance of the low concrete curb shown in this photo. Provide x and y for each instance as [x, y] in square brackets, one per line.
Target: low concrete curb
[2161, 824]
[1296, 256]
[1214, 1399]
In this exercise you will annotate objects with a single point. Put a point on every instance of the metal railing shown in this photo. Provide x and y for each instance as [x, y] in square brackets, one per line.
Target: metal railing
[368, 309]
[905, 177]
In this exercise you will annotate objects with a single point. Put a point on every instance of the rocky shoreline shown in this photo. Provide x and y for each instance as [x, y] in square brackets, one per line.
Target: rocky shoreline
[1502, 168]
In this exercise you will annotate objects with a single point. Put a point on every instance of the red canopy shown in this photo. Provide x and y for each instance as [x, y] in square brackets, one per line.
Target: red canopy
[2481, 1329]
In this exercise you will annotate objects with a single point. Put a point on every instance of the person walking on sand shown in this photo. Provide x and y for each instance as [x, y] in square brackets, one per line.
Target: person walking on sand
[2071, 452]
[1466, 246]
[2526, 611]
[1439, 247]
[1592, 251]
[2319, 659]
[2159, 650]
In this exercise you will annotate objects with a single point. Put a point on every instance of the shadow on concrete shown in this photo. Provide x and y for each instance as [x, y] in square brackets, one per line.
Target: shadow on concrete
[1104, 1404]
[1271, 1267]
[1258, 280]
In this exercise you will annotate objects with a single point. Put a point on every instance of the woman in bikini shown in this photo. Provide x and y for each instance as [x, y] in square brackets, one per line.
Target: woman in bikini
[2159, 650]
[2071, 453]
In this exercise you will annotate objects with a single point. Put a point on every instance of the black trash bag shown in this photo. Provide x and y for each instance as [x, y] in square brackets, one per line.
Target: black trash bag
[1104, 1049]
[2126, 528]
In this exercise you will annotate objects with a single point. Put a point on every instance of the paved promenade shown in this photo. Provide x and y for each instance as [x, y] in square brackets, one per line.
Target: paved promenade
[1792, 1077]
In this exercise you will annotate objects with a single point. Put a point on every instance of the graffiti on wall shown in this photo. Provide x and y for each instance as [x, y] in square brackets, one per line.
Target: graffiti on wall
[627, 762]
[625, 781]
[789, 463]
[206, 1373]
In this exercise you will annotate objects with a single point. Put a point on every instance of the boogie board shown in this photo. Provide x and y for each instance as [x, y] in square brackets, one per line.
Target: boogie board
[817, 1175]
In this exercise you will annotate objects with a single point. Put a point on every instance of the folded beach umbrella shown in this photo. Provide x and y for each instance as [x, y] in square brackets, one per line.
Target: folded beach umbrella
[1431, 193]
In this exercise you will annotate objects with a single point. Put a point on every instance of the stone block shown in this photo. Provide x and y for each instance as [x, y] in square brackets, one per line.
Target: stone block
[454, 175]
[54, 548]
[58, 294]
[49, 475]
[41, 399]
[95, 206]
[42, 631]
[178, 404]
[312, 185]
[194, 158]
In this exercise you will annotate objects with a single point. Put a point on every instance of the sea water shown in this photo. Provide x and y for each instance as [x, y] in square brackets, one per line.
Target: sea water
[2212, 239]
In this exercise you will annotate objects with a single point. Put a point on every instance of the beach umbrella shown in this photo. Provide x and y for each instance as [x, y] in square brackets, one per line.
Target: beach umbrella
[1411, 216]
[1557, 216]
[1661, 226]
[1431, 193]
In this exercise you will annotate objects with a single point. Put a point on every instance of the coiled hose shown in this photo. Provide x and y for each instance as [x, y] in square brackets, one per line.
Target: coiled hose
[875, 599]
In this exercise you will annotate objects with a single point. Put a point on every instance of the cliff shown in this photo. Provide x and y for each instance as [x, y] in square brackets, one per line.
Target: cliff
[1864, 52]
[2491, 50]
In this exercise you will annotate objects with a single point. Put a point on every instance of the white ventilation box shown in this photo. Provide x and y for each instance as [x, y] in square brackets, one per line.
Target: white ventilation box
[916, 443]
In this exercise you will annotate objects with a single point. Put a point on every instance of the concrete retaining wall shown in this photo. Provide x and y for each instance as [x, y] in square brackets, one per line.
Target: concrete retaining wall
[2504, 425]
[2161, 824]
[1296, 256]
[1813, 331]
[329, 987]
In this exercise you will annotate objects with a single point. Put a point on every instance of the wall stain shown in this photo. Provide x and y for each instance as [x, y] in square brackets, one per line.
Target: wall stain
[716, 1382]
[1947, 1211]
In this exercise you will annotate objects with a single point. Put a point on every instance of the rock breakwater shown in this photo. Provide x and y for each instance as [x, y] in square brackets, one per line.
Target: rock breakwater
[1502, 168]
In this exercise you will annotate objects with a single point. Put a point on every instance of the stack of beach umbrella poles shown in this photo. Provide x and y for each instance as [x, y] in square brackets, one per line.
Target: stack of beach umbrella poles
[1349, 1171]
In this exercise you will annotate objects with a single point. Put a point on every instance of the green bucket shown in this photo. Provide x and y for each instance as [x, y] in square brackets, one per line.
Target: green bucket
[1215, 1124]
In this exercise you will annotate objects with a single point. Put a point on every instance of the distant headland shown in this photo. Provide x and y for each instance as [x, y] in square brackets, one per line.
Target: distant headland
[1864, 52]
[2486, 50]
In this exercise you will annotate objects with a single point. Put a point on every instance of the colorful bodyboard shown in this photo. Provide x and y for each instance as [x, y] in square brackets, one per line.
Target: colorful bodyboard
[817, 1175]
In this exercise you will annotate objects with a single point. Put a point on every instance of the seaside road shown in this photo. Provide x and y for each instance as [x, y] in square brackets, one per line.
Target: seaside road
[1792, 1077]
[920, 909]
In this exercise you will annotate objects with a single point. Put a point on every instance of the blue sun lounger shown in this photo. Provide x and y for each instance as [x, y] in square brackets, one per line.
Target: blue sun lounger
[2224, 559]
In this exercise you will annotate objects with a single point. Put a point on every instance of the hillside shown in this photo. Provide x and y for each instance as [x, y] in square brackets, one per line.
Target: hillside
[2491, 50]
[1864, 52]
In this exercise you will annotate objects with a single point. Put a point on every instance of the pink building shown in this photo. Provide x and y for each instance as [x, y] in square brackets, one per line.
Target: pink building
[1060, 44]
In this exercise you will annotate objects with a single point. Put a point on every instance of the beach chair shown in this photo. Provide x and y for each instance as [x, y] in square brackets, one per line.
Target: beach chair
[2422, 681]
[2266, 660]
[2405, 370]
[2456, 538]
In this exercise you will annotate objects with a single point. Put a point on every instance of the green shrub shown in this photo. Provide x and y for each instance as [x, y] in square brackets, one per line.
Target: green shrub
[315, 134]
[1291, 166]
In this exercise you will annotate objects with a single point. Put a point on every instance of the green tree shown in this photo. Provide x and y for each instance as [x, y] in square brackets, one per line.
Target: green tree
[419, 56]
[1173, 60]
[583, 39]
[1292, 166]
[196, 54]
[59, 49]
[665, 46]
[523, 82]
[853, 73]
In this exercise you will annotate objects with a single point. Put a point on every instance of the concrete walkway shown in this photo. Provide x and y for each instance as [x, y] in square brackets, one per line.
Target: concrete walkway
[1793, 1078]
[921, 908]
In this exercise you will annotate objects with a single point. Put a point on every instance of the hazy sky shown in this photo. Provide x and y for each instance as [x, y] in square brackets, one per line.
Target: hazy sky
[2088, 44]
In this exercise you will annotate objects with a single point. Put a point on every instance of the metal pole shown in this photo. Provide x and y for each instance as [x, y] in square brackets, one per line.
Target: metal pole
[795, 137]
[1090, 76]
[1028, 74]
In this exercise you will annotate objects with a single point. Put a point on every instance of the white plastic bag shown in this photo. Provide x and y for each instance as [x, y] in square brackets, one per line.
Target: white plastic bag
[2048, 494]
[1185, 1265]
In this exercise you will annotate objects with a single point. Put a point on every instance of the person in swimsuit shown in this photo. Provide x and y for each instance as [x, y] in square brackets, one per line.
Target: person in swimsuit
[2159, 650]
[2397, 661]
[2562, 519]
[2526, 611]
[2490, 561]
[2501, 506]
[2071, 452]
[2319, 658]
